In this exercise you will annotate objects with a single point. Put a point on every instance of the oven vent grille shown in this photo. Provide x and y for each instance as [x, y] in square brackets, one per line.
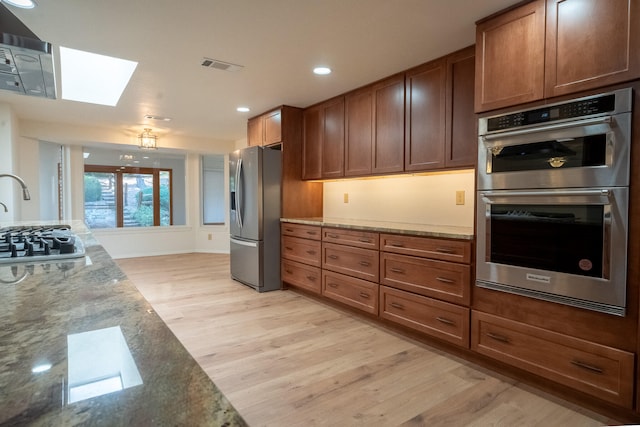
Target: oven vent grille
[220, 65]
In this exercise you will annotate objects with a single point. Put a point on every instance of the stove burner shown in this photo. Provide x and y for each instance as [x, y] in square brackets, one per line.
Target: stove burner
[38, 243]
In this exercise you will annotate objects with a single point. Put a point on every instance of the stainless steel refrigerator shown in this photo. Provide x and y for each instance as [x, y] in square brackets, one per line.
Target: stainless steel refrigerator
[254, 183]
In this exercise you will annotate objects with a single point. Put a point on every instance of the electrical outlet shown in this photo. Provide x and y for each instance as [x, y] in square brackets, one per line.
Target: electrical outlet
[209, 236]
[346, 197]
[460, 197]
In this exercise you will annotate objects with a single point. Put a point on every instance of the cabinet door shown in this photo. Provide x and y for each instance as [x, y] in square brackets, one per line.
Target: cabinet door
[272, 127]
[510, 57]
[425, 112]
[254, 131]
[388, 137]
[591, 43]
[359, 132]
[312, 143]
[333, 139]
[461, 142]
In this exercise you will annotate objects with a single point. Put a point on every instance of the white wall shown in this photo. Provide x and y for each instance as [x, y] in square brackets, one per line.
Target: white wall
[420, 199]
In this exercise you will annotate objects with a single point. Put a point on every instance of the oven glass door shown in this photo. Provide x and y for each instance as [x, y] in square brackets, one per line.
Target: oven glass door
[567, 242]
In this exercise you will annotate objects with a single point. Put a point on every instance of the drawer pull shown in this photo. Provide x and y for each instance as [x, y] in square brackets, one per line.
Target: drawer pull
[333, 236]
[365, 240]
[498, 337]
[311, 252]
[587, 366]
[289, 248]
[444, 280]
[289, 230]
[365, 263]
[311, 278]
[396, 305]
[333, 285]
[445, 250]
[396, 244]
[332, 256]
[311, 233]
[445, 320]
[397, 270]
[364, 295]
[289, 271]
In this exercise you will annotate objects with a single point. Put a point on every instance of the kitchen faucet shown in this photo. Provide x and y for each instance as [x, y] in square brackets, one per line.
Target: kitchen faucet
[4, 206]
[25, 190]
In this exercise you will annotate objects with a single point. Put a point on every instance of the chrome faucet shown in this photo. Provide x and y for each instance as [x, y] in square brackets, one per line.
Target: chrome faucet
[25, 190]
[4, 206]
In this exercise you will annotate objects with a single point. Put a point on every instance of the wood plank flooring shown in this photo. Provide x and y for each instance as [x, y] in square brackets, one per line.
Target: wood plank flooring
[284, 359]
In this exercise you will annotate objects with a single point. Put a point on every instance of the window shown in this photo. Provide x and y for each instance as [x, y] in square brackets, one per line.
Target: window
[127, 196]
[213, 207]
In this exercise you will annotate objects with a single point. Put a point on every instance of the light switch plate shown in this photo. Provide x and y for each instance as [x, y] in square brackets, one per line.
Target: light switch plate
[460, 197]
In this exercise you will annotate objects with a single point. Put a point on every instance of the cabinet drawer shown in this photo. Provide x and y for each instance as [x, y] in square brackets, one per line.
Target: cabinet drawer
[351, 291]
[357, 262]
[440, 279]
[301, 275]
[439, 319]
[427, 247]
[360, 239]
[601, 371]
[301, 250]
[300, 230]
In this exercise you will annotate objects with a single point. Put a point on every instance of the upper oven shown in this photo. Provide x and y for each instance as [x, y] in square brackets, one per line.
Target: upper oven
[580, 143]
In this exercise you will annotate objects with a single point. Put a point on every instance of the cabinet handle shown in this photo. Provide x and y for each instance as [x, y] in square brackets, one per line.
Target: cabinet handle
[332, 256]
[289, 271]
[364, 295]
[312, 278]
[397, 270]
[396, 305]
[365, 240]
[289, 230]
[333, 236]
[445, 250]
[365, 263]
[445, 320]
[444, 280]
[333, 285]
[311, 252]
[498, 337]
[289, 248]
[312, 233]
[396, 244]
[587, 366]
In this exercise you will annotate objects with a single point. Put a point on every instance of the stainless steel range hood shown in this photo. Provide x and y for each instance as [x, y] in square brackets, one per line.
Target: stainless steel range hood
[26, 62]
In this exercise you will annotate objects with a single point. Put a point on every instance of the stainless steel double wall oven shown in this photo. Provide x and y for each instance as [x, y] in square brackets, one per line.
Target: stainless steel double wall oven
[553, 193]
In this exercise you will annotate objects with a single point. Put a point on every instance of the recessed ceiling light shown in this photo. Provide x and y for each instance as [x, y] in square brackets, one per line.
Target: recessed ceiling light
[322, 70]
[243, 109]
[24, 4]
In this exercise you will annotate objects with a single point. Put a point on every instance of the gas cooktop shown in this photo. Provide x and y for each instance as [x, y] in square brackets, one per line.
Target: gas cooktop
[38, 243]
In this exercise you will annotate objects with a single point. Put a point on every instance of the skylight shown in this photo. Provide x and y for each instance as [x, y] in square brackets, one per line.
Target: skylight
[96, 79]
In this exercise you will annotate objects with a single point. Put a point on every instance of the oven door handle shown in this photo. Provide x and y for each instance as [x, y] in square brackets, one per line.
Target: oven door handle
[487, 195]
[557, 126]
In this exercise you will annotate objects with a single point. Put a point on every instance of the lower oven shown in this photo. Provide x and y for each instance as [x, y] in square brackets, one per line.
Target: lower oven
[564, 245]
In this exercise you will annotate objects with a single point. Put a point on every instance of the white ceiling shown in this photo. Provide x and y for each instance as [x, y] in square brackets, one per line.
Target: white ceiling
[277, 41]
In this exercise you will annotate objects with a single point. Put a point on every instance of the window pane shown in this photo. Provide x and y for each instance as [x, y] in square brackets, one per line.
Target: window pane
[165, 198]
[137, 200]
[99, 199]
[213, 209]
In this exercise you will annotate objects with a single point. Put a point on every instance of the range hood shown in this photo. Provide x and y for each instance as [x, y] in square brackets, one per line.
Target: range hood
[26, 62]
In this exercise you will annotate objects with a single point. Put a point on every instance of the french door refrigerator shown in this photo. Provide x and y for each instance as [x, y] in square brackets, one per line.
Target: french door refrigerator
[254, 183]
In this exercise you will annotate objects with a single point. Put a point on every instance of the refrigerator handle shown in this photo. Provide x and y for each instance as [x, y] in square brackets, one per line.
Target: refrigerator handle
[239, 193]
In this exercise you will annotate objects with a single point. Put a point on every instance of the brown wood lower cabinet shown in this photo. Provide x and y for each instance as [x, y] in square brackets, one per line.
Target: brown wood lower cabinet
[301, 250]
[439, 319]
[301, 275]
[357, 262]
[357, 293]
[601, 371]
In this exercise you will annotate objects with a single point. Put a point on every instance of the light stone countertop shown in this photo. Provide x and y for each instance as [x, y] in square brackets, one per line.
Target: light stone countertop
[46, 309]
[426, 230]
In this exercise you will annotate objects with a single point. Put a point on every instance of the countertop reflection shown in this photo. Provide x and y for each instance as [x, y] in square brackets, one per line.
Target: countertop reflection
[81, 345]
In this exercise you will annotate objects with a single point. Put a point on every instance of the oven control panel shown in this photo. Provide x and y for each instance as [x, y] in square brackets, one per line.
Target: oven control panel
[579, 108]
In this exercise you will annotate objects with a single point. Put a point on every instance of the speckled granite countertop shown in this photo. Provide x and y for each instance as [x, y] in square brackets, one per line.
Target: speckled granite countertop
[427, 230]
[66, 329]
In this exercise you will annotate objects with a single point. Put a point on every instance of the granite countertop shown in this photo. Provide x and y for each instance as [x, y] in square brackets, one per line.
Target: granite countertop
[79, 328]
[427, 230]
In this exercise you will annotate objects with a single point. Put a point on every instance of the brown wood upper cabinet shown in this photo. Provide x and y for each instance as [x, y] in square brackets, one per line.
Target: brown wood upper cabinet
[265, 129]
[374, 128]
[548, 48]
[323, 143]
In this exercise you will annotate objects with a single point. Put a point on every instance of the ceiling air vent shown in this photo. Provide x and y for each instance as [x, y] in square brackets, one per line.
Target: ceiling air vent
[220, 65]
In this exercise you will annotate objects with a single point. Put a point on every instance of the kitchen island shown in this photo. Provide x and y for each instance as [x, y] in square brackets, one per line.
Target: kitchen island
[79, 345]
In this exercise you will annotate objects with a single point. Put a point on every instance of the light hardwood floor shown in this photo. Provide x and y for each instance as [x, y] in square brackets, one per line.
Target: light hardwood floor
[284, 359]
